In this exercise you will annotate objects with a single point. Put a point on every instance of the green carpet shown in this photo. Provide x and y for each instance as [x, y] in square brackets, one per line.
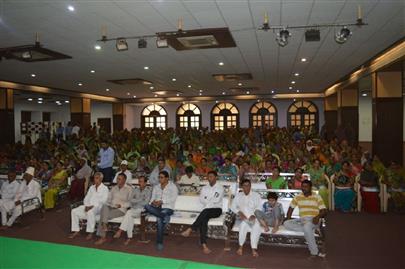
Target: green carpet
[17, 253]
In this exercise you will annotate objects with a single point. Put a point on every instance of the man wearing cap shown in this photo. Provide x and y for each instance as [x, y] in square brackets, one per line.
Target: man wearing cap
[105, 161]
[80, 182]
[8, 192]
[123, 169]
[27, 190]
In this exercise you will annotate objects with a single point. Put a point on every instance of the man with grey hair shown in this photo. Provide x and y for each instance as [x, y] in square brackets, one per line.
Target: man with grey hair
[95, 198]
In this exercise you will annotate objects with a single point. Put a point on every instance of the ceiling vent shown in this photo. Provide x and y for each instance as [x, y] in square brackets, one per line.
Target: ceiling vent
[31, 53]
[131, 81]
[232, 77]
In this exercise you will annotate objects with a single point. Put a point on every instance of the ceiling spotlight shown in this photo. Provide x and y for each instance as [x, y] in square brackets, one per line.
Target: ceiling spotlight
[303, 60]
[67, 101]
[298, 90]
[173, 79]
[363, 94]
[146, 67]
[178, 94]
[80, 84]
[30, 99]
[200, 94]
[239, 84]
[156, 95]
[221, 63]
[40, 99]
[201, 90]
[296, 74]
[121, 44]
[151, 88]
[223, 93]
[142, 43]
[247, 92]
[343, 35]
[57, 102]
[293, 82]
[39, 102]
[282, 37]
[107, 90]
[33, 75]
[134, 96]
[128, 93]
[290, 88]
[71, 8]
[272, 91]
[189, 86]
[97, 47]
[92, 71]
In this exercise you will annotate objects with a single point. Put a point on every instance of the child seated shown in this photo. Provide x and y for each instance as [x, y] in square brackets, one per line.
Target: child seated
[272, 214]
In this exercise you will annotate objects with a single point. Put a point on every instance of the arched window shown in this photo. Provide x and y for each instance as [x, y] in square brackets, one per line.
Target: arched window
[188, 116]
[154, 116]
[263, 114]
[224, 115]
[303, 114]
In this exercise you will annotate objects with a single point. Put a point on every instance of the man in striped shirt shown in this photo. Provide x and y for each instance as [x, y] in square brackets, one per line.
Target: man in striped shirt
[311, 208]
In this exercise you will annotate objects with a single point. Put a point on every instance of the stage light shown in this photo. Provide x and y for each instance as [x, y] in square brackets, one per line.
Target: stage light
[282, 37]
[121, 44]
[142, 43]
[161, 43]
[343, 35]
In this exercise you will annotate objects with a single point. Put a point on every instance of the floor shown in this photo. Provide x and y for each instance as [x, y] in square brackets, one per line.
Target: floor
[352, 241]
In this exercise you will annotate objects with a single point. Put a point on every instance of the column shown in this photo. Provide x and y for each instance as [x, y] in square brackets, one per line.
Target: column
[348, 112]
[330, 113]
[388, 114]
[7, 116]
[80, 112]
[118, 116]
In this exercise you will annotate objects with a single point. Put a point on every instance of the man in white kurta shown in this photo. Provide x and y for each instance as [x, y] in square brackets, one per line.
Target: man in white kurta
[28, 189]
[123, 169]
[95, 198]
[244, 205]
[8, 192]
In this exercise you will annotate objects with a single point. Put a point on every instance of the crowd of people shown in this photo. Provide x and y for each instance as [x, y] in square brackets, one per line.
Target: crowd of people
[162, 159]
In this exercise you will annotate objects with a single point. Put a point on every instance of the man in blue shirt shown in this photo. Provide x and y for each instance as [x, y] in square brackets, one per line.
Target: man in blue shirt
[105, 161]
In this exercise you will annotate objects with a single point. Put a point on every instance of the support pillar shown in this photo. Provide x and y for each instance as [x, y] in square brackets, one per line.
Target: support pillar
[330, 114]
[80, 112]
[7, 116]
[348, 113]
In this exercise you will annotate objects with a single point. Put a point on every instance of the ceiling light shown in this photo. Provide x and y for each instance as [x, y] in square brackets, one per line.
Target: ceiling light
[200, 94]
[247, 92]
[33, 75]
[71, 8]
[128, 93]
[223, 93]
[156, 95]
[293, 82]
[39, 102]
[107, 90]
[290, 88]
[216, 101]
[173, 79]
[146, 67]
[296, 74]
[92, 71]
[221, 63]
[58, 102]
[343, 35]
[142, 43]
[80, 84]
[26, 55]
[364, 94]
[282, 37]
[272, 91]
[134, 96]
[258, 100]
[151, 87]
[40, 99]
[121, 44]
[30, 99]
[97, 47]
[298, 90]
[189, 86]
[162, 43]
[178, 94]
[239, 84]
[67, 101]
[303, 59]
[201, 90]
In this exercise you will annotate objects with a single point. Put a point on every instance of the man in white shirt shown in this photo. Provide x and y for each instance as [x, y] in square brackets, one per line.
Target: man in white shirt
[211, 197]
[76, 130]
[161, 205]
[123, 169]
[28, 189]
[244, 205]
[8, 192]
[154, 175]
[94, 200]
[189, 178]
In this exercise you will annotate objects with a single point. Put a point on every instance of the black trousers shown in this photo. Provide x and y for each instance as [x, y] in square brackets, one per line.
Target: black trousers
[201, 222]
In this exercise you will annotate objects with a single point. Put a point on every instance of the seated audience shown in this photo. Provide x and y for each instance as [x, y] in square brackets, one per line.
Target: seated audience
[8, 192]
[319, 181]
[369, 182]
[154, 175]
[211, 197]
[80, 181]
[244, 205]
[140, 197]
[55, 184]
[189, 178]
[275, 181]
[296, 181]
[123, 169]
[228, 170]
[161, 205]
[118, 202]
[203, 168]
[344, 194]
[311, 209]
[95, 198]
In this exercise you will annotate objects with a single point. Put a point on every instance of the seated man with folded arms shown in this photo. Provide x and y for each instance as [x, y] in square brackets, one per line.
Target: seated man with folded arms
[118, 202]
[312, 208]
[211, 197]
[140, 197]
[8, 192]
[28, 189]
[244, 205]
[271, 215]
[161, 204]
[93, 201]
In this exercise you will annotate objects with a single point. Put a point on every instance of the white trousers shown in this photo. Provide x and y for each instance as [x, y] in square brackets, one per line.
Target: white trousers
[304, 225]
[6, 206]
[79, 213]
[128, 221]
[245, 228]
[16, 212]
[257, 230]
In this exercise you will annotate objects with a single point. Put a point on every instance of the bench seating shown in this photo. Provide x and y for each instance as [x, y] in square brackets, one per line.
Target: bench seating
[283, 236]
[186, 210]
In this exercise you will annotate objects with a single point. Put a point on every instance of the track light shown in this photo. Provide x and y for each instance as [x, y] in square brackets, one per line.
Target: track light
[161, 43]
[142, 43]
[282, 37]
[343, 35]
[121, 44]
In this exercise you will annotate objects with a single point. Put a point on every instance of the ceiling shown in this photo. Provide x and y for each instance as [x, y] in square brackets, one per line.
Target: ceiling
[272, 67]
